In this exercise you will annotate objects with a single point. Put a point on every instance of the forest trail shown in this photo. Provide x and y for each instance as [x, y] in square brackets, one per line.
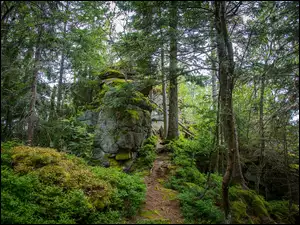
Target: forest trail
[161, 203]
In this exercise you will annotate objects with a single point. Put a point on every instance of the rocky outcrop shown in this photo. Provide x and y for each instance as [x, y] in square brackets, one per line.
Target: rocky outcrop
[157, 116]
[89, 117]
[120, 130]
[119, 136]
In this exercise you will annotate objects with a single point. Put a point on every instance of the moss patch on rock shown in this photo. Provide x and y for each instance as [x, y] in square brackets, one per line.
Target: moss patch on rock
[110, 73]
[123, 156]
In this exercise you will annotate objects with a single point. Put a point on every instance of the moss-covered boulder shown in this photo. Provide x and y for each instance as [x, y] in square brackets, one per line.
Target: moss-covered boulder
[123, 122]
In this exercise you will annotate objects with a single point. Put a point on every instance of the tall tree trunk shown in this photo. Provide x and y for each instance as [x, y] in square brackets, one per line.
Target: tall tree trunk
[31, 117]
[214, 95]
[218, 167]
[237, 175]
[286, 162]
[226, 76]
[173, 99]
[61, 73]
[262, 134]
[164, 93]
[52, 104]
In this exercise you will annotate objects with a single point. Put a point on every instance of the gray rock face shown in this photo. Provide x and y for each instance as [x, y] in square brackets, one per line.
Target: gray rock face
[119, 132]
[89, 117]
[157, 116]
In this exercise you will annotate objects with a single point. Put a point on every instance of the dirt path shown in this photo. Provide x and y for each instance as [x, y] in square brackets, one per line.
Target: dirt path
[160, 203]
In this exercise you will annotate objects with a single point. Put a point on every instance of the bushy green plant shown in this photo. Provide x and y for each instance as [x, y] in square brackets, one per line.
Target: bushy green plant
[130, 190]
[279, 211]
[75, 138]
[124, 95]
[199, 211]
[67, 135]
[153, 221]
[152, 140]
[146, 154]
[40, 185]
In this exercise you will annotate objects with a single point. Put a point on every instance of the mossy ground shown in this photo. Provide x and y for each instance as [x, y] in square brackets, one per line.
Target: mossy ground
[41, 185]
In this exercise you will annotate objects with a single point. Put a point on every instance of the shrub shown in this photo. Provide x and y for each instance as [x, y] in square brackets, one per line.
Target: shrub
[279, 211]
[146, 154]
[67, 135]
[40, 185]
[199, 211]
[129, 193]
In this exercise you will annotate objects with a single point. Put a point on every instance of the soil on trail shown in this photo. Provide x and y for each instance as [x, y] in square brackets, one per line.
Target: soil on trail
[160, 203]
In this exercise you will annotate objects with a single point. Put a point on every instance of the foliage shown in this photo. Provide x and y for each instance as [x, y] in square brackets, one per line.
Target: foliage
[40, 185]
[125, 96]
[68, 135]
[200, 202]
[129, 193]
[152, 221]
[279, 211]
[146, 154]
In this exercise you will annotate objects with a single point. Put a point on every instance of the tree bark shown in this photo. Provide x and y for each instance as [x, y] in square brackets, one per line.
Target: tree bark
[52, 104]
[61, 73]
[286, 162]
[164, 90]
[262, 134]
[226, 76]
[31, 117]
[173, 99]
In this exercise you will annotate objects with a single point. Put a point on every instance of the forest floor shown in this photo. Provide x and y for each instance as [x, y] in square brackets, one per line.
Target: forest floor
[161, 203]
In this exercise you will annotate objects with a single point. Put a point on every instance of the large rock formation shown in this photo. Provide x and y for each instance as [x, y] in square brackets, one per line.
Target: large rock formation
[120, 135]
[123, 122]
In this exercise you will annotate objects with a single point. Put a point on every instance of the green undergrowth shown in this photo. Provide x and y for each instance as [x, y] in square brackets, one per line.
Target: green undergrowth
[201, 203]
[153, 221]
[43, 186]
[146, 155]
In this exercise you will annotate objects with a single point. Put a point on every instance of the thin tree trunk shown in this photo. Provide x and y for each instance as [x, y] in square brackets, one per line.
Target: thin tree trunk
[286, 161]
[173, 99]
[237, 175]
[31, 118]
[52, 104]
[61, 73]
[164, 92]
[262, 134]
[218, 168]
[226, 76]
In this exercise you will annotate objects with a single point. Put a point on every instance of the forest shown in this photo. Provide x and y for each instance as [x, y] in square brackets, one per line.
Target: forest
[149, 112]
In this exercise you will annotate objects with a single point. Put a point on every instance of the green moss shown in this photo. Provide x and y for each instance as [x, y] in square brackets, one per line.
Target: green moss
[279, 211]
[133, 113]
[239, 212]
[43, 186]
[123, 156]
[110, 73]
[168, 194]
[259, 207]
[113, 162]
[153, 221]
[150, 214]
